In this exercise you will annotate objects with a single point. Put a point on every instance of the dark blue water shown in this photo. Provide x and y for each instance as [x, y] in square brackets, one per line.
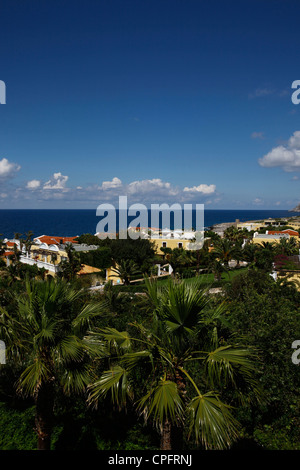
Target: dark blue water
[66, 222]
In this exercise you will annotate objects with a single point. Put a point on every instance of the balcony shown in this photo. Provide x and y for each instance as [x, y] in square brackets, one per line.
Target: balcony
[39, 263]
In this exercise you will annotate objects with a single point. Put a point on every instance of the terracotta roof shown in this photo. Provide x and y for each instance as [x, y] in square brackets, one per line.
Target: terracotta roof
[54, 240]
[8, 253]
[86, 269]
[292, 233]
[10, 243]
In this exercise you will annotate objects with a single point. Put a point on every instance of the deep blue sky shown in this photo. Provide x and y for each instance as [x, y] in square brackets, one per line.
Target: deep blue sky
[166, 101]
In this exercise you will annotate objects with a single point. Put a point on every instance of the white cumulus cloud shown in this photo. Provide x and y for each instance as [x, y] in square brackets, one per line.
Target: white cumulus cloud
[114, 183]
[202, 188]
[151, 186]
[285, 156]
[33, 184]
[58, 181]
[7, 168]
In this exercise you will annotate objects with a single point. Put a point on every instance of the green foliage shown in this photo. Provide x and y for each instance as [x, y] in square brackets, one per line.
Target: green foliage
[126, 270]
[152, 366]
[70, 267]
[45, 335]
[17, 428]
[140, 251]
[211, 234]
[100, 258]
[284, 437]
[266, 314]
[151, 341]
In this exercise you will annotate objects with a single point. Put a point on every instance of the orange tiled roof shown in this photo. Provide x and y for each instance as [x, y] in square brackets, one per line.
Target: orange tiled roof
[292, 233]
[10, 243]
[54, 240]
[8, 253]
[86, 269]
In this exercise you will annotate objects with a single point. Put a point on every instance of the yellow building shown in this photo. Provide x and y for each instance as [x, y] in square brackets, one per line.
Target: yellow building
[262, 224]
[274, 236]
[166, 238]
[294, 224]
[260, 238]
[48, 252]
[43, 255]
[169, 243]
[250, 226]
[89, 272]
[161, 239]
[111, 276]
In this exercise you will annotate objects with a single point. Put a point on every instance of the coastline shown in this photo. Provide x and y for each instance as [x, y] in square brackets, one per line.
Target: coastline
[221, 227]
[70, 222]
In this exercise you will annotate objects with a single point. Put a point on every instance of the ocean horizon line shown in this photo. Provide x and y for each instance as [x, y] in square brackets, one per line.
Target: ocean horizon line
[75, 222]
[148, 208]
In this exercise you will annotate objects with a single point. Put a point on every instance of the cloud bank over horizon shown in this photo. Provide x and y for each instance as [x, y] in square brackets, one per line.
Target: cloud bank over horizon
[57, 189]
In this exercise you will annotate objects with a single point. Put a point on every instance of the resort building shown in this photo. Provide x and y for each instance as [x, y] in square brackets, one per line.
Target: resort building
[260, 238]
[162, 239]
[262, 224]
[295, 224]
[45, 251]
[43, 255]
[53, 240]
[291, 233]
[166, 238]
[250, 226]
[275, 222]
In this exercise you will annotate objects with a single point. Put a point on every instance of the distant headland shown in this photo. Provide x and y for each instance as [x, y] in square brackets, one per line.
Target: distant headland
[296, 209]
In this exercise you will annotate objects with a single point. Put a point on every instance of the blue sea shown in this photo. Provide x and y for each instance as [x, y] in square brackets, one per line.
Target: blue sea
[66, 222]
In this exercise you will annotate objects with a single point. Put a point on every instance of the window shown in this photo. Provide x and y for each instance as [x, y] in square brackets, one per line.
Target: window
[180, 245]
[164, 244]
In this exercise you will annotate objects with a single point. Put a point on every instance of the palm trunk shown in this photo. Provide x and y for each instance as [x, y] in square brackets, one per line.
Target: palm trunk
[44, 415]
[165, 440]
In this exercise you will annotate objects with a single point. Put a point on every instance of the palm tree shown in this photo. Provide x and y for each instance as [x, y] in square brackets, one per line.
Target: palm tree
[28, 242]
[216, 267]
[201, 257]
[225, 250]
[45, 335]
[233, 234]
[174, 370]
[15, 257]
[287, 247]
[249, 252]
[268, 245]
[126, 270]
[17, 236]
[177, 258]
[238, 252]
[70, 267]
[112, 298]
[29, 235]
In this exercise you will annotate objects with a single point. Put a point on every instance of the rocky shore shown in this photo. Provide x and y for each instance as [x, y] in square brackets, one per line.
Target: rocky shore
[296, 209]
[220, 228]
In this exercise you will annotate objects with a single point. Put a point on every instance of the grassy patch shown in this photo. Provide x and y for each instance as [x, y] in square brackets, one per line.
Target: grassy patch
[205, 279]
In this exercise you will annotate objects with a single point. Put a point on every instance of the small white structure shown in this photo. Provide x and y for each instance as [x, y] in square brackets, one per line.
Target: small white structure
[2, 352]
